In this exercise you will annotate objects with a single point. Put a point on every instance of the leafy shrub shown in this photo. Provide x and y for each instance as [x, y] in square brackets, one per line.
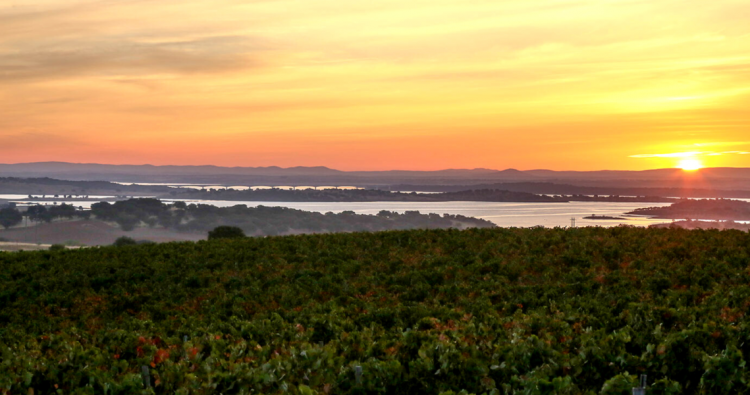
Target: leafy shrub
[622, 384]
[57, 247]
[665, 386]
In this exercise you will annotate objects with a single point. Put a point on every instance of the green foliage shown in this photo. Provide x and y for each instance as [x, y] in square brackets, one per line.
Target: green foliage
[665, 386]
[47, 214]
[622, 384]
[57, 247]
[226, 232]
[483, 311]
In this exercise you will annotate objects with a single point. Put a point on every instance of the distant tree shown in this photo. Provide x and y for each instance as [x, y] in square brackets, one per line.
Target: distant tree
[40, 213]
[226, 232]
[166, 219]
[63, 210]
[124, 241]
[127, 222]
[10, 217]
[35, 213]
[385, 214]
[56, 247]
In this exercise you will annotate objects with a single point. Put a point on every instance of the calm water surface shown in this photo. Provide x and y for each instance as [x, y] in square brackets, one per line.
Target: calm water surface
[501, 214]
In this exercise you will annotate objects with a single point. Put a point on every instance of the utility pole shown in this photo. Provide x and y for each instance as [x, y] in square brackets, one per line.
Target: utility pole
[641, 390]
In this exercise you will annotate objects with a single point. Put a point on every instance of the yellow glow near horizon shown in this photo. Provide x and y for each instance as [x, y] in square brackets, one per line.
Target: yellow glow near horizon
[690, 164]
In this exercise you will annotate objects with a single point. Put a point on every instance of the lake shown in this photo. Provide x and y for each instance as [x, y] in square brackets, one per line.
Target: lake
[501, 214]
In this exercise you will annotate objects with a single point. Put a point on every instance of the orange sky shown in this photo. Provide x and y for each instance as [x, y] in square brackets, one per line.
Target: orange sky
[374, 85]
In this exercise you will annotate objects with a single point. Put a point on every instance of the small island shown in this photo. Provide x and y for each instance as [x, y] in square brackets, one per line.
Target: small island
[705, 209]
[603, 217]
[701, 214]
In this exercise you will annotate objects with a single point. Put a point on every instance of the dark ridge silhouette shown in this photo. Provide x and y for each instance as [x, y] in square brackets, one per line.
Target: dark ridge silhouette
[569, 189]
[706, 209]
[711, 178]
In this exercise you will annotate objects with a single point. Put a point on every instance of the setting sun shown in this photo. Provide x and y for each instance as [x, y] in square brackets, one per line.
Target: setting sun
[690, 164]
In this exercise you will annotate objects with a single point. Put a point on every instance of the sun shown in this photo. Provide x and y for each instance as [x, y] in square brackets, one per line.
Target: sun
[690, 164]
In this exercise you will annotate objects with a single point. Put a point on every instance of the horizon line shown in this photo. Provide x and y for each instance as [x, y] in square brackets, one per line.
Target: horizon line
[355, 171]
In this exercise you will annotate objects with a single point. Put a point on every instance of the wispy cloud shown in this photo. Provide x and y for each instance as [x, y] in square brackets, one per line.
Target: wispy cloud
[689, 154]
[106, 57]
[669, 155]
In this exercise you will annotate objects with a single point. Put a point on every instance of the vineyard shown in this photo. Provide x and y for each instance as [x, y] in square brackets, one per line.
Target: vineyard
[482, 311]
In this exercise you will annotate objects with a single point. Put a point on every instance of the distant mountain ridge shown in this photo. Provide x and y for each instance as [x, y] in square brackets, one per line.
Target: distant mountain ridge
[66, 167]
[710, 178]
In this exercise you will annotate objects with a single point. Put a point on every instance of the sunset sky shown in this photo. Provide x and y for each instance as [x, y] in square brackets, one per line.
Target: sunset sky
[376, 85]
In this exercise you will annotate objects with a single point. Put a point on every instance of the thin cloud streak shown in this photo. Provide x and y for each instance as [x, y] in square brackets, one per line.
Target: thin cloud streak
[670, 155]
[689, 154]
[108, 58]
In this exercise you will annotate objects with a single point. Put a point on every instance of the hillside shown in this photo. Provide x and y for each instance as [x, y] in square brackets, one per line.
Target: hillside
[709, 209]
[153, 220]
[522, 311]
[737, 179]
[684, 191]
[51, 187]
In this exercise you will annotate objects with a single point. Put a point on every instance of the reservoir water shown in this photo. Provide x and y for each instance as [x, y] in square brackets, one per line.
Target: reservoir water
[501, 214]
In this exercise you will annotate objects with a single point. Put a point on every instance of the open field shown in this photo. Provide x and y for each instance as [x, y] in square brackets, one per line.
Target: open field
[90, 232]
